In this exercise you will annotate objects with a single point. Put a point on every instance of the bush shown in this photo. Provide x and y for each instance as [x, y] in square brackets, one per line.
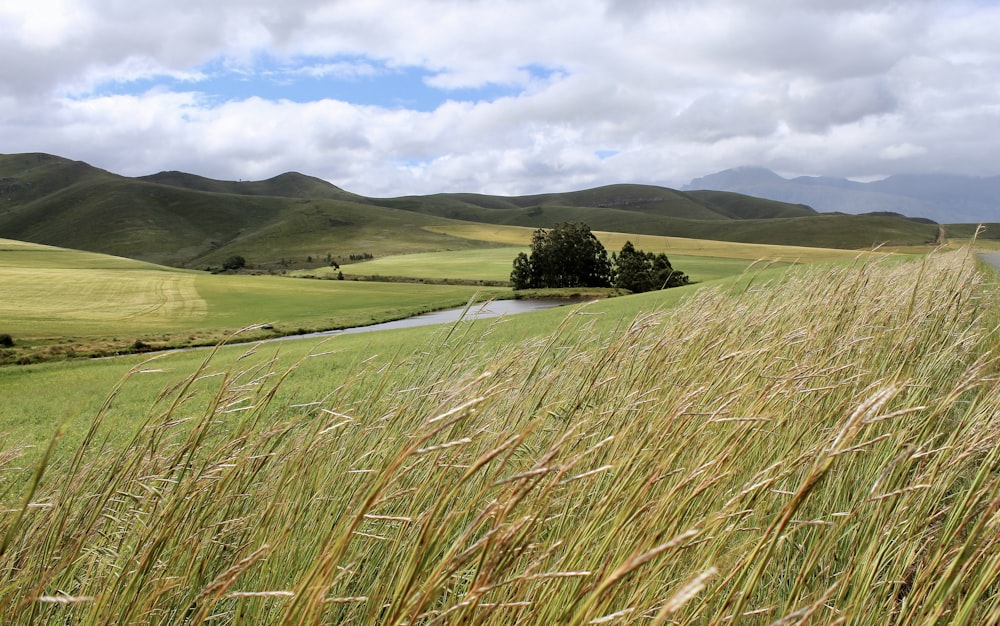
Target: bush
[234, 262]
[6, 341]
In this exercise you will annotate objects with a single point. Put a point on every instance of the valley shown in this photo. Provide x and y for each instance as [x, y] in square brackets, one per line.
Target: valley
[806, 432]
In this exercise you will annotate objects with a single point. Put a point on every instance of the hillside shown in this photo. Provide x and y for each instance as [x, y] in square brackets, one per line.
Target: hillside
[616, 201]
[294, 220]
[289, 184]
[189, 221]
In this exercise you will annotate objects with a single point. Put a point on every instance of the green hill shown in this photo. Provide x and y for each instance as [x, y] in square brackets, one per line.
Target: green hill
[618, 201]
[184, 220]
[294, 220]
[648, 210]
[289, 184]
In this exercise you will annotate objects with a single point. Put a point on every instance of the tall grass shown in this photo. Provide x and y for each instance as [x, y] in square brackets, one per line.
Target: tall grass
[822, 449]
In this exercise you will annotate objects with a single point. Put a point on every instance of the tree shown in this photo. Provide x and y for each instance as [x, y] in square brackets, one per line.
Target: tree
[640, 271]
[521, 275]
[664, 275]
[234, 262]
[567, 255]
[632, 270]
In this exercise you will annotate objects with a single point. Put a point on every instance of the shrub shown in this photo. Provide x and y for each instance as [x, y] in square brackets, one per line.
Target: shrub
[234, 262]
[6, 341]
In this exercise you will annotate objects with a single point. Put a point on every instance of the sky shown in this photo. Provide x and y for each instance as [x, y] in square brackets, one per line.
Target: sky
[395, 97]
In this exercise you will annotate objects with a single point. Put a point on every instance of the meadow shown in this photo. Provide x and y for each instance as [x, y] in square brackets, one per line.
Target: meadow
[701, 259]
[808, 444]
[63, 303]
[521, 236]
[60, 302]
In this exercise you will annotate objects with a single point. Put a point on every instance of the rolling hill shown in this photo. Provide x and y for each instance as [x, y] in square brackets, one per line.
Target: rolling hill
[293, 220]
[189, 221]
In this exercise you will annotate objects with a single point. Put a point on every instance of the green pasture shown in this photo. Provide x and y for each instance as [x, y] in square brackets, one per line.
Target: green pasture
[746, 451]
[79, 298]
[53, 294]
[521, 236]
[40, 396]
[63, 303]
[701, 260]
[613, 241]
[494, 264]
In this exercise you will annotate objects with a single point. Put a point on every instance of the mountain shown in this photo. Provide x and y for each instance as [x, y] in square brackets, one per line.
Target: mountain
[946, 199]
[189, 221]
[289, 184]
[294, 220]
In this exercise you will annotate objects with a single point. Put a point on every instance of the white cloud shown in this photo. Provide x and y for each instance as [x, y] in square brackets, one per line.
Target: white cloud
[674, 89]
[901, 151]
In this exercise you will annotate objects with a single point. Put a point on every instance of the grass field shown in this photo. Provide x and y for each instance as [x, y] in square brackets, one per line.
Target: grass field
[55, 292]
[812, 445]
[701, 260]
[613, 241]
[813, 441]
[62, 302]
[494, 264]
[89, 303]
[40, 395]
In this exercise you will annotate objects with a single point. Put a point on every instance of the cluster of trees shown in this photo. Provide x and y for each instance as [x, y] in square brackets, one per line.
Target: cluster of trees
[640, 271]
[570, 255]
[233, 263]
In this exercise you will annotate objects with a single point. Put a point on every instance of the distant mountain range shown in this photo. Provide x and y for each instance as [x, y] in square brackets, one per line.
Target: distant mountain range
[943, 198]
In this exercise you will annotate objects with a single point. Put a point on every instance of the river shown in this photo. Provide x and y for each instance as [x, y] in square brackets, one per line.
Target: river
[993, 258]
[480, 310]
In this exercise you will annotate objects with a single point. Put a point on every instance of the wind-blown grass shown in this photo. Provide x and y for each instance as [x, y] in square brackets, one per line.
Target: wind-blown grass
[822, 449]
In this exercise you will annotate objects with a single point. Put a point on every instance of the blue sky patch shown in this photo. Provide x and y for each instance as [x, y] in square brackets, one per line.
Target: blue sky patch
[356, 80]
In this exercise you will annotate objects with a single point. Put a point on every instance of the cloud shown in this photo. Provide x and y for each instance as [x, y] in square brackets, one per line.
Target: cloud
[509, 96]
[816, 107]
[901, 151]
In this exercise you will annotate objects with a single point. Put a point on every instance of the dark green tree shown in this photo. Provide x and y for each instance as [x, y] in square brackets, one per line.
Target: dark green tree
[632, 269]
[664, 275]
[567, 255]
[521, 276]
[234, 262]
[639, 271]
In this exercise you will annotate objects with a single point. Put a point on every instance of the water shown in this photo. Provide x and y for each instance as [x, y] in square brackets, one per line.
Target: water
[993, 258]
[481, 310]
